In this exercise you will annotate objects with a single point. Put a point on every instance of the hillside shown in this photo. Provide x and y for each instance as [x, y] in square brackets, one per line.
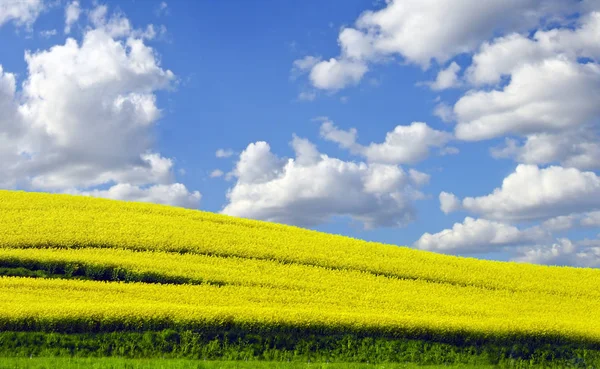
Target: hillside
[90, 266]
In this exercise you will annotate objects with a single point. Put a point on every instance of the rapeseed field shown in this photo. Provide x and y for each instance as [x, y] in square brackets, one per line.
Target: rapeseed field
[91, 268]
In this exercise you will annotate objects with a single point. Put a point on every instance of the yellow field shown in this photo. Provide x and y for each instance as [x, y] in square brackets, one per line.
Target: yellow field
[255, 273]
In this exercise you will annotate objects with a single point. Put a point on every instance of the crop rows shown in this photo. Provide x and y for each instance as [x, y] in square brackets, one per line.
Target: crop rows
[212, 270]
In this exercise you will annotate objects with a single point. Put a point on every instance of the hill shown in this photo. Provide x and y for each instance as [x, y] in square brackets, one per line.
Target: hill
[86, 275]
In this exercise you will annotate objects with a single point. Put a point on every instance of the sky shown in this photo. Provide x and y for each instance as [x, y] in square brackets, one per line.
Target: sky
[461, 127]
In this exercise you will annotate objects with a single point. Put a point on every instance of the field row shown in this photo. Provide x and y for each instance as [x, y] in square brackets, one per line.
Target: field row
[34, 220]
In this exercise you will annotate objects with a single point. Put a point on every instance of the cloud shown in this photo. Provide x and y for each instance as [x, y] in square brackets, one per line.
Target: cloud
[224, 153]
[216, 173]
[531, 193]
[506, 54]
[404, 145]
[336, 74]
[591, 219]
[554, 95]
[422, 31]
[446, 78]
[562, 253]
[444, 112]
[313, 187]
[72, 12]
[84, 118]
[21, 12]
[576, 148]
[345, 139]
[573, 221]
[449, 202]
[549, 100]
[307, 96]
[174, 194]
[560, 223]
[479, 235]
[48, 33]
[304, 65]
[162, 9]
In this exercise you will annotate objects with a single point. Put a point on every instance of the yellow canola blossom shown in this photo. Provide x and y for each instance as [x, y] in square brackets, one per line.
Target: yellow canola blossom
[63, 304]
[269, 274]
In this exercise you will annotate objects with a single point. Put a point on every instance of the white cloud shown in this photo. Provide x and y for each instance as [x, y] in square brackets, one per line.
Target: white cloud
[307, 96]
[420, 31]
[424, 30]
[553, 95]
[216, 173]
[72, 12]
[449, 150]
[449, 202]
[560, 223]
[174, 194]
[531, 193]
[446, 78]
[479, 235]
[162, 9]
[550, 98]
[84, 118]
[444, 112]
[591, 219]
[224, 153]
[48, 33]
[305, 64]
[404, 145]
[407, 144]
[336, 74]
[504, 55]
[564, 253]
[20, 12]
[313, 187]
[572, 221]
[577, 148]
[346, 139]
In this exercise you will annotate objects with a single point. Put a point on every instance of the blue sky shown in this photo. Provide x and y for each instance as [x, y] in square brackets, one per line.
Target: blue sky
[490, 115]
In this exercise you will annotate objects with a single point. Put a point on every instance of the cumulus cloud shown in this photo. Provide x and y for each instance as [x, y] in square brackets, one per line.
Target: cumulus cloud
[444, 112]
[422, 31]
[216, 173]
[404, 145]
[531, 193]
[479, 235]
[85, 117]
[577, 148]
[174, 194]
[21, 12]
[563, 253]
[552, 95]
[446, 78]
[72, 12]
[311, 188]
[449, 202]
[591, 219]
[304, 65]
[224, 153]
[550, 99]
[502, 56]
[335, 74]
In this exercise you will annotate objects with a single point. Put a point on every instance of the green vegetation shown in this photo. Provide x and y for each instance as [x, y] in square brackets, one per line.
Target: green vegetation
[278, 347]
[121, 363]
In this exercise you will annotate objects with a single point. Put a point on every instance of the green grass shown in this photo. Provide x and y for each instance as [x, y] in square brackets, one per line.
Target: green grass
[240, 347]
[120, 363]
